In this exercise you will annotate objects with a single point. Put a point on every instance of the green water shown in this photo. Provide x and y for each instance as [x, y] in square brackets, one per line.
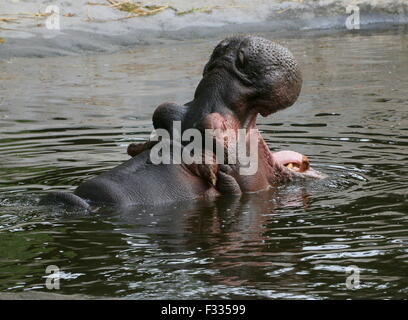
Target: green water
[66, 119]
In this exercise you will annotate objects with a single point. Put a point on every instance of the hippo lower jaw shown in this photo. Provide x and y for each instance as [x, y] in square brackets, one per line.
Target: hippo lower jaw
[297, 163]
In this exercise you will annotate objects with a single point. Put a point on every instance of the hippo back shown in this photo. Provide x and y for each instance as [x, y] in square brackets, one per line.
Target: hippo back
[138, 181]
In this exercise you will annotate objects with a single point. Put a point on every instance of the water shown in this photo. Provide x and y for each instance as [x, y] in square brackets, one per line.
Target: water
[66, 119]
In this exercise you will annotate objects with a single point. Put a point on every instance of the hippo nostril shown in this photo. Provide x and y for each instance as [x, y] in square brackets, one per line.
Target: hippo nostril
[241, 58]
[223, 44]
[221, 49]
[220, 62]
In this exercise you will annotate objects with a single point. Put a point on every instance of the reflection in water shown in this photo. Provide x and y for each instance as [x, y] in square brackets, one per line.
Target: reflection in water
[64, 120]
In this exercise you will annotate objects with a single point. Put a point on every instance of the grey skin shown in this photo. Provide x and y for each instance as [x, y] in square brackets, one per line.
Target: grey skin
[244, 77]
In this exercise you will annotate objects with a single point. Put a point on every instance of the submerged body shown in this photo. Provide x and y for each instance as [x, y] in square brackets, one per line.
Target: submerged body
[139, 181]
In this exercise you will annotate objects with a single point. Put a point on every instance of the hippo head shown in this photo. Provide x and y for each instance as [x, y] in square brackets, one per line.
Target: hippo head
[263, 77]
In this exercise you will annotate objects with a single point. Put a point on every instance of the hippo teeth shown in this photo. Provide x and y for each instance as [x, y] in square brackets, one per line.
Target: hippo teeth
[293, 166]
[292, 160]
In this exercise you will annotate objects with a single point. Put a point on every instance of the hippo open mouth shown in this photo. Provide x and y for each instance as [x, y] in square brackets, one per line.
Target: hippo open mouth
[245, 76]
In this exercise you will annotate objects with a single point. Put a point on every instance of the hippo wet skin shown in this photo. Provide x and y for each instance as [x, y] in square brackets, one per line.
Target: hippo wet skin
[244, 77]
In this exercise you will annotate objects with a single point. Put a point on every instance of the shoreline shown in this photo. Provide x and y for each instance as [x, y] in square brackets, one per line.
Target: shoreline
[99, 28]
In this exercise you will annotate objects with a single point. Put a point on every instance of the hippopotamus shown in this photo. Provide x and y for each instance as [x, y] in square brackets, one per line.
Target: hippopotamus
[245, 76]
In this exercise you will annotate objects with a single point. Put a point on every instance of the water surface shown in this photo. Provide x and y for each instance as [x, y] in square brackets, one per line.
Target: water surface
[66, 119]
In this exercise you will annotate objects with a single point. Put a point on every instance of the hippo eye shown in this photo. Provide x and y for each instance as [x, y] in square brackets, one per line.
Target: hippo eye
[241, 59]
